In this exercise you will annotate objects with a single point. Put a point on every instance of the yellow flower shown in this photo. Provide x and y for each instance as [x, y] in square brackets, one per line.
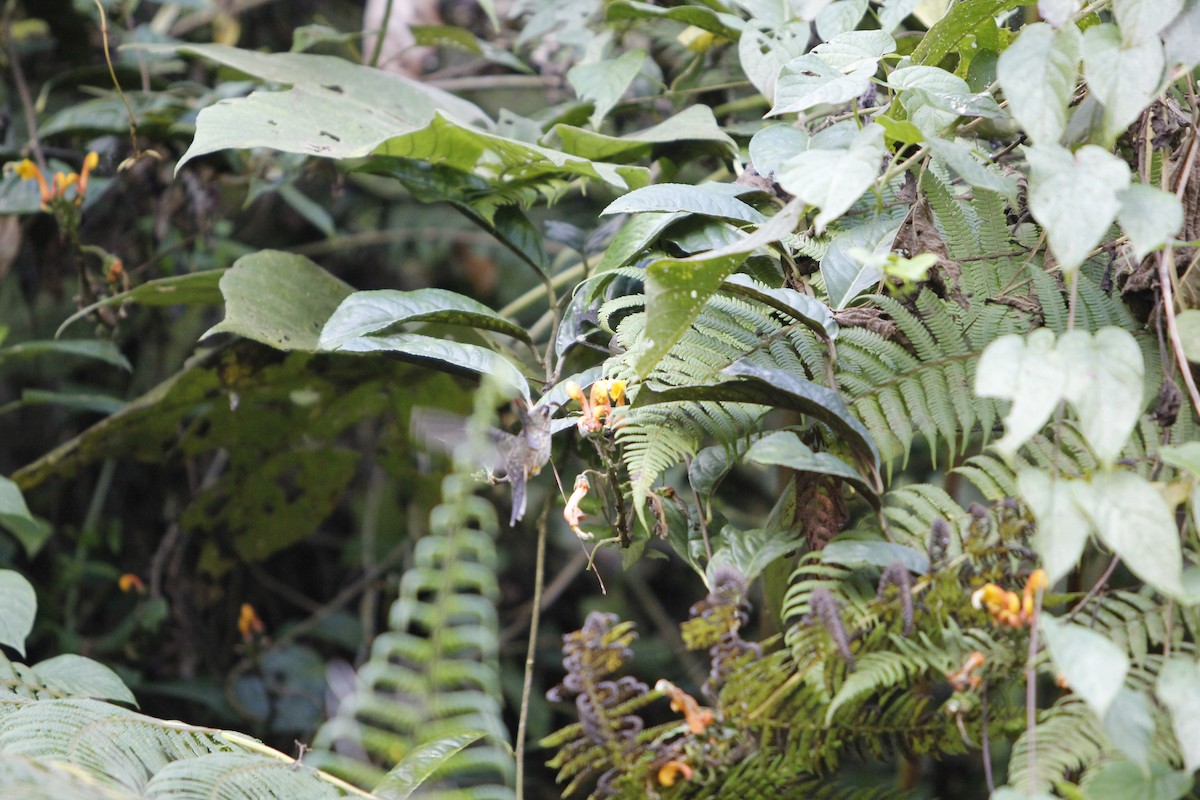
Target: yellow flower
[249, 623]
[669, 772]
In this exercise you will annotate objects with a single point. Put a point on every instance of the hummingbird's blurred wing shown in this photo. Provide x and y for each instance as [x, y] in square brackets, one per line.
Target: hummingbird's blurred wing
[441, 430]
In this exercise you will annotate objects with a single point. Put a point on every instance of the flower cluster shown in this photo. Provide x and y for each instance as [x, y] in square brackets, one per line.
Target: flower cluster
[1007, 608]
[55, 189]
[598, 410]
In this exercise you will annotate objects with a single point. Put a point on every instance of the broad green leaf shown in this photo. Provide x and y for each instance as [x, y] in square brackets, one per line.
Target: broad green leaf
[1181, 38]
[753, 383]
[784, 449]
[694, 129]
[845, 273]
[763, 53]
[364, 313]
[772, 13]
[935, 98]
[1149, 216]
[1038, 73]
[834, 72]
[1058, 12]
[1178, 689]
[421, 764]
[676, 289]
[1189, 331]
[775, 144]
[858, 552]
[75, 676]
[832, 180]
[1129, 725]
[18, 607]
[279, 299]
[839, 17]
[1134, 521]
[1075, 198]
[1062, 525]
[808, 9]
[813, 313]
[457, 357]
[1124, 79]
[962, 19]
[84, 348]
[712, 464]
[1141, 20]
[602, 83]
[31, 532]
[635, 236]
[728, 26]
[1026, 370]
[76, 401]
[1185, 456]
[1093, 666]
[1130, 781]
[1009, 793]
[193, 289]
[155, 113]
[709, 199]
[894, 12]
[1104, 383]
[749, 552]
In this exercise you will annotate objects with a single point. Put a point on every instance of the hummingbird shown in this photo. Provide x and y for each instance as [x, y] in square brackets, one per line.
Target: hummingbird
[518, 456]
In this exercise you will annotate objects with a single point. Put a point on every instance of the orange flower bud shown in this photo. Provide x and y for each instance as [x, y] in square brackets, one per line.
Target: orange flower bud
[130, 583]
[669, 772]
[698, 719]
[249, 623]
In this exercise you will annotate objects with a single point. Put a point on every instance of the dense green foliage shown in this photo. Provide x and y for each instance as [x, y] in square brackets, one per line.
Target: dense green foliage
[861, 327]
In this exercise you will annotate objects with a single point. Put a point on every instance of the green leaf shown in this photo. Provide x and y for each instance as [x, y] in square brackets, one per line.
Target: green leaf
[1189, 331]
[1150, 217]
[962, 161]
[839, 17]
[753, 383]
[763, 53]
[1178, 689]
[1062, 525]
[422, 763]
[1075, 198]
[31, 532]
[75, 676]
[1009, 793]
[676, 289]
[1027, 371]
[834, 72]
[1037, 73]
[749, 552]
[1129, 725]
[193, 289]
[1134, 521]
[1104, 383]
[845, 272]
[935, 98]
[1182, 38]
[602, 83]
[708, 199]
[448, 356]
[1185, 456]
[726, 25]
[635, 236]
[833, 180]
[1124, 79]
[694, 129]
[364, 313]
[784, 449]
[279, 299]
[84, 348]
[962, 19]
[814, 314]
[775, 144]
[18, 607]
[1130, 781]
[1141, 20]
[1093, 666]
[859, 552]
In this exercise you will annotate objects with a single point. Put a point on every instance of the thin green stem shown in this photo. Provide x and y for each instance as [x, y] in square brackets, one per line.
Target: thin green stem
[377, 50]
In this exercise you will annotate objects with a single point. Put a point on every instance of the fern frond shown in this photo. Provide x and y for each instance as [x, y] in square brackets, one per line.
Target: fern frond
[1067, 738]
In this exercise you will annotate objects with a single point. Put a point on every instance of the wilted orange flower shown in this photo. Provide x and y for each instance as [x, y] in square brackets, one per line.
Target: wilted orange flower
[669, 772]
[964, 676]
[130, 583]
[698, 719]
[249, 623]
[572, 513]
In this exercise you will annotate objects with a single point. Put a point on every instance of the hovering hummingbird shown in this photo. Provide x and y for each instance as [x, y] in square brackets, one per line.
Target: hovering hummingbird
[519, 456]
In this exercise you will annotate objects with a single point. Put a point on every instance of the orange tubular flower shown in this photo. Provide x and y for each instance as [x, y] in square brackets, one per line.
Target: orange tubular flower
[249, 623]
[573, 514]
[130, 583]
[1008, 609]
[698, 719]
[964, 676]
[669, 772]
[90, 162]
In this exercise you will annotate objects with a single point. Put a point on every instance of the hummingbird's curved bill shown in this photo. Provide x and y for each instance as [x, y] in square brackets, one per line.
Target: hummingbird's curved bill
[518, 456]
